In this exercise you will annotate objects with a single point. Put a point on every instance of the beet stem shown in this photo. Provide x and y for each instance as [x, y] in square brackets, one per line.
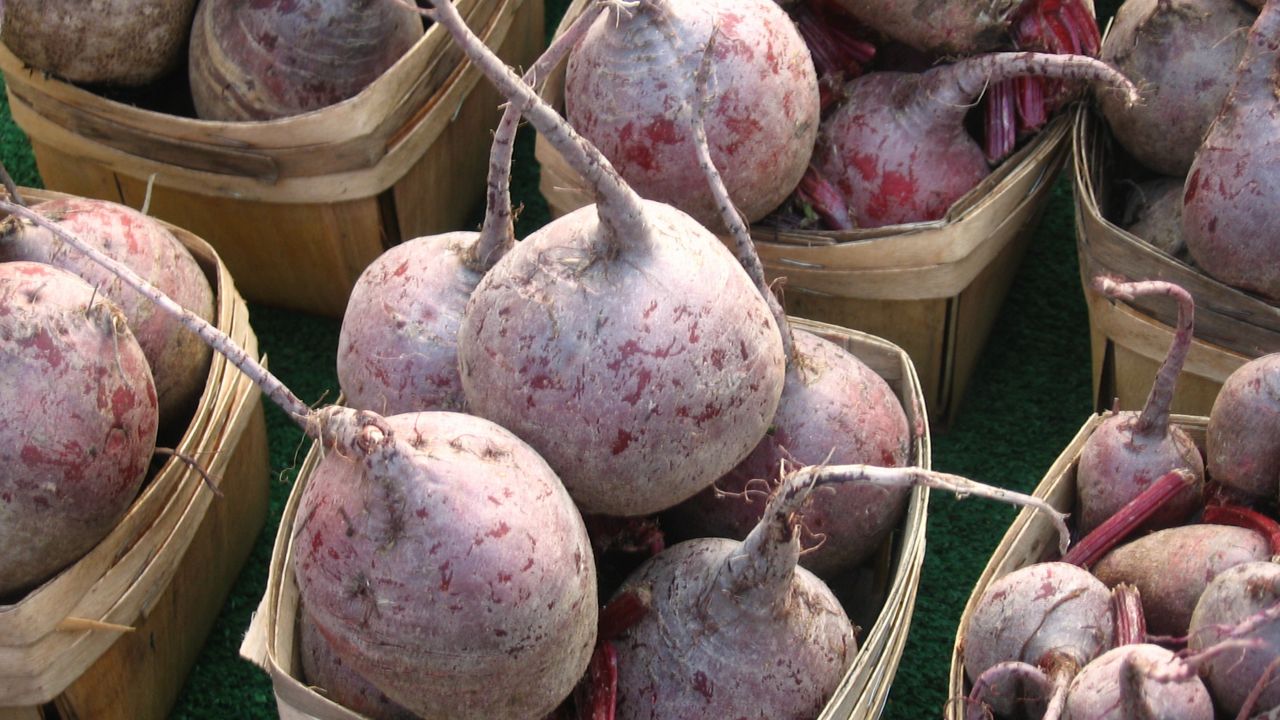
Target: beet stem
[220, 341]
[620, 208]
[1119, 526]
[1154, 420]
[956, 85]
[744, 247]
[497, 234]
[1237, 516]
[1131, 622]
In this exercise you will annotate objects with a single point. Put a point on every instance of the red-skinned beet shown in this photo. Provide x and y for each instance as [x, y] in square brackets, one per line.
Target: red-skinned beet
[1154, 214]
[78, 420]
[459, 491]
[398, 345]
[1122, 683]
[1242, 441]
[629, 84]
[1233, 187]
[898, 150]
[1182, 53]
[1130, 450]
[623, 341]
[268, 59]
[1241, 603]
[116, 42]
[179, 360]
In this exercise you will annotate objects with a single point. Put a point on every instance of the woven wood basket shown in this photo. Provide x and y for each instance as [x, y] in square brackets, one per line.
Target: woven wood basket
[932, 288]
[296, 207]
[1032, 538]
[66, 648]
[1130, 339]
[271, 642]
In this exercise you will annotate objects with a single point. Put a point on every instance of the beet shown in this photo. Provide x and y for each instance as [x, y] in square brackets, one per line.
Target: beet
[179, 360]
[897, 149]
[1154, 214]
[78, 420]
[1233, 188]
[1129, 450]
[1239, 595]
[1171, 567]
[628, 89]
[1181, 53]
[1242, 442]
[622, 341]
[324, 669]
[1117, 686]
[266, 60]
[110, 42]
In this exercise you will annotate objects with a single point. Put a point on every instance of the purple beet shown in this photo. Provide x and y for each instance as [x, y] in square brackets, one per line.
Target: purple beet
[1242, 444]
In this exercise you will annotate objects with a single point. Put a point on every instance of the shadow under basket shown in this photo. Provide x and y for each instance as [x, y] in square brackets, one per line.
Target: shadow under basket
[893, 575]
[296, 207]
[933, 288]
[114, 635]
[1032, 538]
[1131, 338]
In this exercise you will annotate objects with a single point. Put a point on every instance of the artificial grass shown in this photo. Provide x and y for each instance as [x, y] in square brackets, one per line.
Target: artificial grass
[1028, 398]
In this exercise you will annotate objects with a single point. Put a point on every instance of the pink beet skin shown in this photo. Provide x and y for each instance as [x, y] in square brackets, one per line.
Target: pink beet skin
[1238, 595]
[1242, 444]
[398, 351]
[1233, 187]
[464, 562]
[335, 680]
[897, 149]
[629, 90]
[833, 409]
[266, 59]
[179, 360]
[1118, 685]
[78, 420]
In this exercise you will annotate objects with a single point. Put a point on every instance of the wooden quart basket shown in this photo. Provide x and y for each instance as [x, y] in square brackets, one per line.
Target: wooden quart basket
[66, 648]
[1130, 339]
[932, 288]
[886, 609]
[1032, 538]
[296, 207]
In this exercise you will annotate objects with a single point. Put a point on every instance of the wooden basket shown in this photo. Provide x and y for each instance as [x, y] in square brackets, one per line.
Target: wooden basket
[271, 642]
[165, 569]
[1032, 538]
[934, 288]
[1131, 339]
[296, 207]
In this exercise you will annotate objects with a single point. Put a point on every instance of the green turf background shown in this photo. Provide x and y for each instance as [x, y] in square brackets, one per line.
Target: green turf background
[1028, 398]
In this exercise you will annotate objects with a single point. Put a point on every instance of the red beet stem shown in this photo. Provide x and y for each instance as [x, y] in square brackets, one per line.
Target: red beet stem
[1154, 420]
[596, 697]
[1238, 516]
[1119, 526]
[818, 192]
[1126, 607]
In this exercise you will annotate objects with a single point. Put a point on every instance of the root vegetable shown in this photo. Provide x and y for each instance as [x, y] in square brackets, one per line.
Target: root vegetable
[435, 521]
[398, 345]
[179, 360]
[1130, 450]
[1171, 567]
[1154, 214]
[1236, 604]
[1242, 443]
[623, 341]
[324, 669]
[78, 420]
[1053, 615]
[1232, 191]
[110, 42]
[1119, 685]
[629, 85]
[1182, 53]
[266, 60]
[898, 150]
